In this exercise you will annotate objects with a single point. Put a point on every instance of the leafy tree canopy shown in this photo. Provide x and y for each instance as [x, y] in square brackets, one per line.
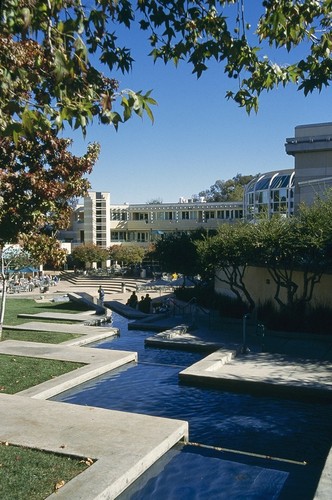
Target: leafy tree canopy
[14, 257]
[128, 255]
[47, 74]
[39, 178]
[283, 245]
[177, 252]
[88, 253]
[230, 190]
[58, 59]
[44, 249]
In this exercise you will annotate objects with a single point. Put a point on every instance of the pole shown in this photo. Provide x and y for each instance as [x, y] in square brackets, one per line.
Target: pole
[244, 349]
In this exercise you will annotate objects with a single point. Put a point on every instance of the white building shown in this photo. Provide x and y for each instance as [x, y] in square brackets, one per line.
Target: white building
[97, 221]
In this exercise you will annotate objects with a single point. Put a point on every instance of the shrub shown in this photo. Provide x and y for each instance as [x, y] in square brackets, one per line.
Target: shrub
[206, 297]
[299, 317]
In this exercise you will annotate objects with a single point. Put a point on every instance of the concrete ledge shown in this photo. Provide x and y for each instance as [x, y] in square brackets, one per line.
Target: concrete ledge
[123, 445]
[126, 311]
[87, 300]
[80, 317]
[324, 488]
[262, 373]
[63, 328]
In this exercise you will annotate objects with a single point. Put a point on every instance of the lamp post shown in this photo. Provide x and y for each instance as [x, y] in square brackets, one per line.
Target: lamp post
[244, 349]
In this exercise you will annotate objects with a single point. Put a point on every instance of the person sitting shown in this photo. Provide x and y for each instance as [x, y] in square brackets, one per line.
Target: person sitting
[141, 304]
[147, 304]
[132, 301]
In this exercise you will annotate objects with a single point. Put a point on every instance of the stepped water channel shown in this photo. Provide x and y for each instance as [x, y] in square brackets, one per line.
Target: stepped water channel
[241, 445]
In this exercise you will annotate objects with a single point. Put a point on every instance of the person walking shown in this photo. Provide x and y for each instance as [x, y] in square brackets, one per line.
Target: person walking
[101, 294]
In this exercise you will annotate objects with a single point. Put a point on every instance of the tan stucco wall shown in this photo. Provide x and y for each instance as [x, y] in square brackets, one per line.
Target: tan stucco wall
[262, 287]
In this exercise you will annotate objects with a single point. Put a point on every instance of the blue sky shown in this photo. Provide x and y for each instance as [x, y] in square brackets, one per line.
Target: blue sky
[198, 136]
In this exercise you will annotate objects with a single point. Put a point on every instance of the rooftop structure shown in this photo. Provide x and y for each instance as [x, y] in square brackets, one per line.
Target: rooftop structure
[312, 151]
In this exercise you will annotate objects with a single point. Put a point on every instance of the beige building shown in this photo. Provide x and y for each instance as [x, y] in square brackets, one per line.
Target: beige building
[97, 221]
[142, 224]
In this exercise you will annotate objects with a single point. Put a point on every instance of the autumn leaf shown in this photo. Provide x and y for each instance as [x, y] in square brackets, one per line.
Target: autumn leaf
[59, 485]
[87, 461]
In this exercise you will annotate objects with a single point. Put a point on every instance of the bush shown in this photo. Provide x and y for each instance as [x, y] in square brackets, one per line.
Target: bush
[299, 317]
[231, 307]
[206, 297]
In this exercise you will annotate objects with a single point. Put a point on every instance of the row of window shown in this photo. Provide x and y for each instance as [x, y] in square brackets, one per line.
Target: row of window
[140, 237]
[198, 215]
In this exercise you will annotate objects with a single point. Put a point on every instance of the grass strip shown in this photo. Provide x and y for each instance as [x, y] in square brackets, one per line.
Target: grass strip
[18, 373]
[29, 474]
[38, 336]
[30, 306]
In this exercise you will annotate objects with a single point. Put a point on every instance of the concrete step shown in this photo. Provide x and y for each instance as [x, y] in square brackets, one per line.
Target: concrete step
[110, 284]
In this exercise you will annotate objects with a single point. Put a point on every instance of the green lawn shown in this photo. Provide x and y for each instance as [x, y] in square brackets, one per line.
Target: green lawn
[27, 474]
[30, 306]
[17, 372]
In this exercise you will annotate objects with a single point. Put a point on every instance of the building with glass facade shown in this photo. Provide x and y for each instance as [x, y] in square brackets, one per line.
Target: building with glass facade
[270, 193]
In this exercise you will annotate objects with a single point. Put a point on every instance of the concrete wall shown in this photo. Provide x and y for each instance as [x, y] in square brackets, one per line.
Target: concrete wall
[312, 151]
[262, 287]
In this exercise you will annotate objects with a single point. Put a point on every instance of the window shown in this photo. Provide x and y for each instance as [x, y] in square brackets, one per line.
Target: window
[263, 183]
[79, 217]
[140, 216]
[118, 216]
[141, 237]
[185, 215]
[209, 215]
[118, 236]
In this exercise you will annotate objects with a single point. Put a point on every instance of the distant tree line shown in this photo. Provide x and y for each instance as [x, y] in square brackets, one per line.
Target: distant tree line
[230, 190]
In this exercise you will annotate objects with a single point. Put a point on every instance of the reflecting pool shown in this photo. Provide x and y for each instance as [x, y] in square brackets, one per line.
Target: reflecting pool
[250, 446]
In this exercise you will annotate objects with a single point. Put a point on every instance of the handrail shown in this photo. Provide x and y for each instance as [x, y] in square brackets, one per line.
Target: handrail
[193, 306]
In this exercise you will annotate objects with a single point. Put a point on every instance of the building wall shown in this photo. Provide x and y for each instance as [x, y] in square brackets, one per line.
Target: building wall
[143, 224]
[262, 288]
[312, 151]
[96, 225]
